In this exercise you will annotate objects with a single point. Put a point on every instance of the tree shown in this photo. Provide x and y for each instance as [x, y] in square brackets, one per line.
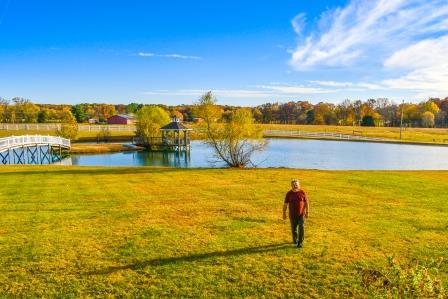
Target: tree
[427, 119]
[177, 114]
[106, 111]
[3, 110]
[233, 141]
[149, 120]
[25, 110]
[367, 121]
[324, 114]
[78, 113]
[258, 115]
[133, 108]
[377, 119]
[69, 126]
[42, 116]
[431, 107]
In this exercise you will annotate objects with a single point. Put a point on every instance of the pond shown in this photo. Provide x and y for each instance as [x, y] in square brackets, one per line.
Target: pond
[292, 153]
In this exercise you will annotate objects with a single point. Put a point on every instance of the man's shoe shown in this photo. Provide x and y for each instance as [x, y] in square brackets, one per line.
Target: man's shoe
[299, 245]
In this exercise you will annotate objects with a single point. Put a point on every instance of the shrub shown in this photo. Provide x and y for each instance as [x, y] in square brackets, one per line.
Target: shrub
[412, 280]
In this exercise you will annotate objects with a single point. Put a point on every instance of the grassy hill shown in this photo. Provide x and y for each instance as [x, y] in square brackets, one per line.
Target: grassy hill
[98, 232]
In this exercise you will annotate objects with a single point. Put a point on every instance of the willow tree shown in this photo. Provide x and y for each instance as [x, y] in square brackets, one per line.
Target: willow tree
[234, 139]
[149, 121]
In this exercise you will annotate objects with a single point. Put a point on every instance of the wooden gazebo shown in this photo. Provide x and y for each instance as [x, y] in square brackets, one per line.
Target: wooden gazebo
[172, 137]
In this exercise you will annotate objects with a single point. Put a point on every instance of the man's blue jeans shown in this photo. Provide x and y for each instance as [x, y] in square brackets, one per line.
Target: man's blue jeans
[297, 229]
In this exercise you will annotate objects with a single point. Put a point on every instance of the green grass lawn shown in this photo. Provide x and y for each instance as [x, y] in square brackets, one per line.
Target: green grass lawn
[161, 232]
[83, 134]
[430, 135]
[427, 135]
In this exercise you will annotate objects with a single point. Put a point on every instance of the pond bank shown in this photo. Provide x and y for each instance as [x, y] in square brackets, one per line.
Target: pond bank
[392, 141]
[89, 148]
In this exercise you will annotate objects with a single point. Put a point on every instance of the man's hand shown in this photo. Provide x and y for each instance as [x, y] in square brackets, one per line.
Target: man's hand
[285, 207]
[306, 215]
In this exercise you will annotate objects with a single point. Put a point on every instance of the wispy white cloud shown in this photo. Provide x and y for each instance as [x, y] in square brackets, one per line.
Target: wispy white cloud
[178, 56]
[145, 54]
[298, 23]
[267, 91]
[293, 89]
[407, 37]
[426, 53]
[370, 29]
[357, 85]
[228, 93]
[427, 66]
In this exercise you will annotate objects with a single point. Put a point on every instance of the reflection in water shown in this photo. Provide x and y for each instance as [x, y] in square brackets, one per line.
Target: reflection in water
[34, 155]
[135, 158]
[173, 159]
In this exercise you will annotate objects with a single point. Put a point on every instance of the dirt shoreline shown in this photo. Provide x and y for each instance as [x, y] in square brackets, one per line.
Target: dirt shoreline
[82, 148]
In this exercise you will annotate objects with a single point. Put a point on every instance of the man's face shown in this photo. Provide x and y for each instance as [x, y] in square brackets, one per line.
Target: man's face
[295, 185]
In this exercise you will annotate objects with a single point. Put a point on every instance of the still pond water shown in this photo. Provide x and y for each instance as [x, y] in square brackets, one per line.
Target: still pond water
[293, 153]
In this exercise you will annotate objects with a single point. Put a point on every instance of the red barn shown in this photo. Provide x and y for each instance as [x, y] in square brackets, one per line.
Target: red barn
[121, 119]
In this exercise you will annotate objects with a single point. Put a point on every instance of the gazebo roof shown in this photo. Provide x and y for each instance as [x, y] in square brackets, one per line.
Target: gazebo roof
[174, 126]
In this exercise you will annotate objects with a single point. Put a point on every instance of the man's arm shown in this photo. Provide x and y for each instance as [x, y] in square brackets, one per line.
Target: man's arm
[285, 206]
[307, 208]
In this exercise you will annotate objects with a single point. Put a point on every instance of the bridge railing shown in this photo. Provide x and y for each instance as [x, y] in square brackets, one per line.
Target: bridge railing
[27, 140]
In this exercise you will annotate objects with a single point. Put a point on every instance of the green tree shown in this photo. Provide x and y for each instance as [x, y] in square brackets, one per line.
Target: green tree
[69, 126]
[79, 113]
[43, 116]
[367, 121]
[132, 108]
[149, 120]
[234, 140]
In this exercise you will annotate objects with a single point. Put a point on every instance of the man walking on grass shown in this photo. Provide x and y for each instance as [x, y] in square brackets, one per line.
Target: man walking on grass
[297, 202]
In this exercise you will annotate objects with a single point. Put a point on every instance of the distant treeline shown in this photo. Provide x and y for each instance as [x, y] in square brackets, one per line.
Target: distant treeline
[372, 112]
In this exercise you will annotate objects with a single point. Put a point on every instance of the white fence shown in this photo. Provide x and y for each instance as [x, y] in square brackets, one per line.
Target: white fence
[32, 140]
[97, 128]
[53, 127]
[331, 135]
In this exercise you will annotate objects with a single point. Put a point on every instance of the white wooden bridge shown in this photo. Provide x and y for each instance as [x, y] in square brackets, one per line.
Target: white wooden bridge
[32, 149]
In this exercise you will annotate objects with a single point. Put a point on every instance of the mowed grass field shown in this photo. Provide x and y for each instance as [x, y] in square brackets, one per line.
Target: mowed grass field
[425, 135]
[83, 134]
[419, 135]
[161, 232]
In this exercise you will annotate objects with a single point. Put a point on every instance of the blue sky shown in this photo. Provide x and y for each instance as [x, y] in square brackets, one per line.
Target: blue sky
[247, 52]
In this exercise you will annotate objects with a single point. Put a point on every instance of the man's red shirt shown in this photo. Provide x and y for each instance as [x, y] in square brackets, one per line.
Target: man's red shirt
[296, 202]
